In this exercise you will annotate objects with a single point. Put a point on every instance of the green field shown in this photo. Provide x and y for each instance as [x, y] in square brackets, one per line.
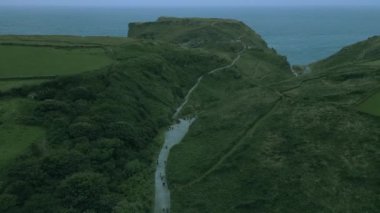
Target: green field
[15, 137]
[24, 61]
[62, 40]
[371, 105]
[35, 61]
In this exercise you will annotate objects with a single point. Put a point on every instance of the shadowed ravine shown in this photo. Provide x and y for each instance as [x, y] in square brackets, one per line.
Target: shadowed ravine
[173, 136]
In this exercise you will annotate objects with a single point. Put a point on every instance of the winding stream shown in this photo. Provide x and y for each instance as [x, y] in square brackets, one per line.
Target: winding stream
[173, 136]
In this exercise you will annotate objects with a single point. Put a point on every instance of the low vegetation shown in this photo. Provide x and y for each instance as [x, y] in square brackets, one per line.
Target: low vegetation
[99, 149]
[15, 136]
[263, 141]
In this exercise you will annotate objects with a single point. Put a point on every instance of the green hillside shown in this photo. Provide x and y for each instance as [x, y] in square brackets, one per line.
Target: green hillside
[263, 140]
[100, 131]
[358, 67]
[214, 34]
[362, 53]
[273, 144]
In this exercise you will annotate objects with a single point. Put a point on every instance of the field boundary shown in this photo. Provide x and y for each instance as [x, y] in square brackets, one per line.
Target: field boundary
[63, 46]
[38, 77]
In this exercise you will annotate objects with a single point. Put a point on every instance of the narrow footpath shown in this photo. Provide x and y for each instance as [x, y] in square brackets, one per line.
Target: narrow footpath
[173, 136]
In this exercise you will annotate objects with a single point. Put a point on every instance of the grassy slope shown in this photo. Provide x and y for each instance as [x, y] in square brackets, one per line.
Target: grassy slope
[219, 35]
[360, 65]
[361, 53]
[264, 142]
[219, 121]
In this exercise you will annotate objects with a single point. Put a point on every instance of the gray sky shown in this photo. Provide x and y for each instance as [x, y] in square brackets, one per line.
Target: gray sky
[189, 2]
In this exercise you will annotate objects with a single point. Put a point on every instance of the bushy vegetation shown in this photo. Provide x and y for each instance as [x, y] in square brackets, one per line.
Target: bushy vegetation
[15, 136]
[263, 141]
[100, 132]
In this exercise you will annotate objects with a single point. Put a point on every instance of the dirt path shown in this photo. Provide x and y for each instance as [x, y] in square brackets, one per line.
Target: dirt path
[179, 109]
[293, 71]
[173, 136]
[239, 141]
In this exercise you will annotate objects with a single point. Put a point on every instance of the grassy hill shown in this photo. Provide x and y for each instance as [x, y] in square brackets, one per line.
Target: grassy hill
[358, 66]
[223, 37]
[362, 53]
[219, 35]
[278, 144]
[264, 140]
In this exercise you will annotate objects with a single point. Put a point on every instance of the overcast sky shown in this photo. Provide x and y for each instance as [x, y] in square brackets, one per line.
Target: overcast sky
[189, 2]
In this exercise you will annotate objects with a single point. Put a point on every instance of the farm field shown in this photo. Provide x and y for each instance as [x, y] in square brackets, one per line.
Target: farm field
[26, 61]
[30, 60]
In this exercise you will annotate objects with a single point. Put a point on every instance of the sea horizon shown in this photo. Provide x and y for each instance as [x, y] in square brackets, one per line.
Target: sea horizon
[303, 34]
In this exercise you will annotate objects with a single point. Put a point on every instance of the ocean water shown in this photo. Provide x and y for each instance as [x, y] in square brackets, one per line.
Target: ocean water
[303, 34]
